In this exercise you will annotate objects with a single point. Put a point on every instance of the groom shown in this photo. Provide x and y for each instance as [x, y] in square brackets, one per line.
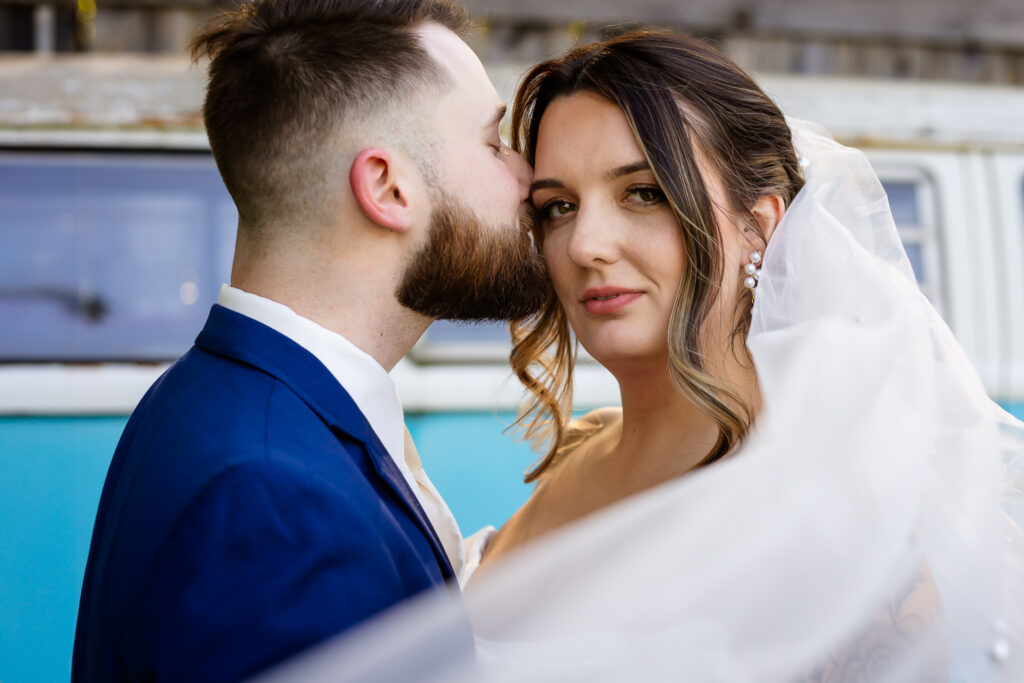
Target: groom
[264, 495]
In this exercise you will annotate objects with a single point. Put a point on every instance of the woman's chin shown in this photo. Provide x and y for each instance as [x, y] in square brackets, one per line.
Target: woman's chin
[629, 355]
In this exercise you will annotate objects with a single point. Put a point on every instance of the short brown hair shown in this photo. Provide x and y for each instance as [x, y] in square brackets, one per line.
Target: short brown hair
[684, 101]
[284, 74]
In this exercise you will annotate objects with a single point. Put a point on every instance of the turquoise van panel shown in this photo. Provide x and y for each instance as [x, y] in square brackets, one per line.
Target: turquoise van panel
[476, 468]
[51, 475]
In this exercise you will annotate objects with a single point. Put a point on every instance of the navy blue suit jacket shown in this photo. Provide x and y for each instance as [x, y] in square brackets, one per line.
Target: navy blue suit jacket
[249, 512]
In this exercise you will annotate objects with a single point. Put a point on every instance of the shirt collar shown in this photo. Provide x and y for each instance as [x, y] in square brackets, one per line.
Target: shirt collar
[365, 380]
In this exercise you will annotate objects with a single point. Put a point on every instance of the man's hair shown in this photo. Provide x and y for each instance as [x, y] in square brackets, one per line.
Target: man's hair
[287, 75]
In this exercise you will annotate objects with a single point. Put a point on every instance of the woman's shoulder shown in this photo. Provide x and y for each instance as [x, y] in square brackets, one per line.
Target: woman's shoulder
[561, 494]
[601, 417]
[582, 435]
[590, 425]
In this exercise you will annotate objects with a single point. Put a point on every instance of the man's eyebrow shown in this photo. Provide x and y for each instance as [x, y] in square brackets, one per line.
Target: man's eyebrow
[498, 116]
[627, 169]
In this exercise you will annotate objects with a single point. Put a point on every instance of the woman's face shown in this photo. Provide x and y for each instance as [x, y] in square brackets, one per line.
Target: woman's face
[613, 247]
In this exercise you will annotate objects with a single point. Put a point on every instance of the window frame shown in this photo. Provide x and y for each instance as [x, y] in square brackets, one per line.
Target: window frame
[1006, 180]
[428, 379]
[92, 147]
[474, 376]
[927, 234]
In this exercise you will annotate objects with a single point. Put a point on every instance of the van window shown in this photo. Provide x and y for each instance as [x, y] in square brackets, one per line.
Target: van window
[912, 201]
[118, 256]
[109, 256]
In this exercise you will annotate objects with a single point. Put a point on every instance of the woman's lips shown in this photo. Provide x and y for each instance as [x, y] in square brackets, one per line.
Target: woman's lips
[605, 300]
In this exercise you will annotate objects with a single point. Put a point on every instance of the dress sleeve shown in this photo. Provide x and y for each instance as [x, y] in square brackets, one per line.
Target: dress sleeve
[579, 430]
[473, 548]
[528, 522]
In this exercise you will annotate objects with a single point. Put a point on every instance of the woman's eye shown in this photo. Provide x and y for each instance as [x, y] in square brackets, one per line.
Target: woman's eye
[557, 209]
[646, 195]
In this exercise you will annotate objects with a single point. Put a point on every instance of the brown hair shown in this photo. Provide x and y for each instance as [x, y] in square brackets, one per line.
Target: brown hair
[286, 73]
[684, 101]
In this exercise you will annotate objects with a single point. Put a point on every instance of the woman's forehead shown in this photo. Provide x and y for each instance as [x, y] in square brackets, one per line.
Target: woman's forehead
[589, 133]
[584, 130]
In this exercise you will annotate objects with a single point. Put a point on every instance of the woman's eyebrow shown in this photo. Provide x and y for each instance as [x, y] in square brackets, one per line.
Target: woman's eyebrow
[627, 169]
[614, 173]
[544, 184]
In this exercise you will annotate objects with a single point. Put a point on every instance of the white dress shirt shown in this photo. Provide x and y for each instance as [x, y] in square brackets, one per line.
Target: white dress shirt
[373, 392]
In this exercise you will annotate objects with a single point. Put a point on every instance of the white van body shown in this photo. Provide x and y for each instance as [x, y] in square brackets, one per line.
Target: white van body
[951, 157]
[955, 152]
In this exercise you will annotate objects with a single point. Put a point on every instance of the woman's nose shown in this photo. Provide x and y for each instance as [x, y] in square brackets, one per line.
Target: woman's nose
[594, 240]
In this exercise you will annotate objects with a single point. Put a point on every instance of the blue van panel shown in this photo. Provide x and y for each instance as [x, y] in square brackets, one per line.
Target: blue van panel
[476, 468]
[52, 471]
[51, 475]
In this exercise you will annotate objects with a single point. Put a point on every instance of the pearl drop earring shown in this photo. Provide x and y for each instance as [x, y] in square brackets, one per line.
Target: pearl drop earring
[753, 271]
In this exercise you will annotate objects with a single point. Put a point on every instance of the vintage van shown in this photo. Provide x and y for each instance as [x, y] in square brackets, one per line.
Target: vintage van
[116, 233]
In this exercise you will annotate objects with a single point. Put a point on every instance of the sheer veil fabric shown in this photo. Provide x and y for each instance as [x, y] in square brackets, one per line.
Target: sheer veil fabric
[868, 529]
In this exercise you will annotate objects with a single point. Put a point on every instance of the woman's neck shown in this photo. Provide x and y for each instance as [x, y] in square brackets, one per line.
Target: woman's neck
[665, 434]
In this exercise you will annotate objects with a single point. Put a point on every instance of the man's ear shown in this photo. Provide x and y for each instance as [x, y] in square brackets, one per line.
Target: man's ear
[380, 189]
[769, 211]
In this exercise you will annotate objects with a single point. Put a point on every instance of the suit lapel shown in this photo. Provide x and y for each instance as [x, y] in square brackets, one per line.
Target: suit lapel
[388, 470]
[241, 338]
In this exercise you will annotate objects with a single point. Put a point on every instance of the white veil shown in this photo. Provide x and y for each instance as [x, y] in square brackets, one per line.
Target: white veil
[868, 529]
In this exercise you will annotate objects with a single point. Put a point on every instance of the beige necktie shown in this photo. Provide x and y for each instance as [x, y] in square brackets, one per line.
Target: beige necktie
[441, 518]
[412, 456]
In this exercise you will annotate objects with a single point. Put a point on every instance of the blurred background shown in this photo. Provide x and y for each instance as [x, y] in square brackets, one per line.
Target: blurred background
[116, 233]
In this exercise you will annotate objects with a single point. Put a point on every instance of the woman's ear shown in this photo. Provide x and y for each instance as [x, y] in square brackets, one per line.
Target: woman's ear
[769, 211]
[380, 189]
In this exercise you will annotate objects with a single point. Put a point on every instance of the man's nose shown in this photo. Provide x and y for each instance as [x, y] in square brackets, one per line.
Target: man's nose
[523, 173]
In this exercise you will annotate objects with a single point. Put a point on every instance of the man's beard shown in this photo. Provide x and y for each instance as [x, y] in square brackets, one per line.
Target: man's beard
[468, 270]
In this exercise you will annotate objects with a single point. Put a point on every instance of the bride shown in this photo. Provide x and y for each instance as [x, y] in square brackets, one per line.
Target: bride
[805, 481]
[653, 210]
